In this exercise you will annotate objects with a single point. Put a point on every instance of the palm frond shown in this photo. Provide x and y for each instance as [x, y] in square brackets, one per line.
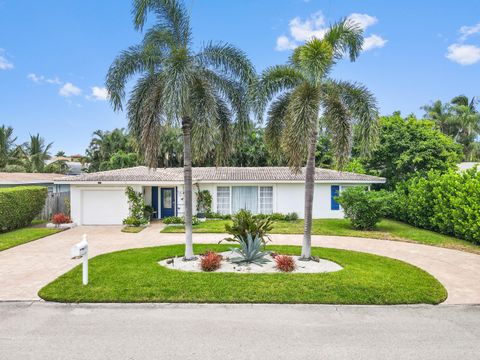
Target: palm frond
[345, 37]
[301, 122]
[136, 59]
[170, 14]
[275, 127]
[277, 79]
[314, 59]
[146, 115]
[362, 109]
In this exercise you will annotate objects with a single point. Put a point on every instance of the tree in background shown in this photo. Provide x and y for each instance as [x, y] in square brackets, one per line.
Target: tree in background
[203, 92]
[408, 147]
[7, 145]
[303, 93]
[105, 144]
[459, 119]
[35, 153]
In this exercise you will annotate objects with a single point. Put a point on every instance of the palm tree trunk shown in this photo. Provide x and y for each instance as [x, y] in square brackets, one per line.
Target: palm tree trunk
[187, 187]
[309, 192]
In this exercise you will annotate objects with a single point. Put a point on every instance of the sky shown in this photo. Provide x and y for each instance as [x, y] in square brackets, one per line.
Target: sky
[54, 54]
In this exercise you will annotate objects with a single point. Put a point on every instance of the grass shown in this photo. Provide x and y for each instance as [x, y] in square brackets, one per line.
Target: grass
[22, 236]
[386, 229]
[132, 229]
[136, 276]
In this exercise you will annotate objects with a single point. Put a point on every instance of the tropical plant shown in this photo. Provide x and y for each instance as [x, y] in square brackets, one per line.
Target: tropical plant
[364, 208]
[285, 263]
[204, 201]
[203, 92]
[244, 223]
[408, 147]
[137, 205]
[304, 94]
[36, 152]
[7, 144]
[61, 218]
[250, 250]
[210, 261]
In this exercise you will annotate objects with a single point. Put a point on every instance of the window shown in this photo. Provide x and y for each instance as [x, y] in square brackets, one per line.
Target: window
[223, 200]
[334, 191]
[245, 197]
[266, 200]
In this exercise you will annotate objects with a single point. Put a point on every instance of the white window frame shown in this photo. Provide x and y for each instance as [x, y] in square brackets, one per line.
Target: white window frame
[229, 199]
[259, 199]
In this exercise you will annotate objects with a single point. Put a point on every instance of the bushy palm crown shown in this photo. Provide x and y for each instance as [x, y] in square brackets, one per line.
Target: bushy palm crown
[36, 152]
[208, 89]
[302, 92]
[7, 143]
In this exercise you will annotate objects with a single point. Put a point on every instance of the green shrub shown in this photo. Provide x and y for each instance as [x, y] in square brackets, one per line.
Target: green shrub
[204, 201]
[137, 215]
[179, 220]
[245, 223]
[291, 216]
[364, 208]
[448, 203]
[20, 205]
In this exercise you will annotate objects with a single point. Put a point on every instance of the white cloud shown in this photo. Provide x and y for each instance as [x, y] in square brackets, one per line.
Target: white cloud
[284, 43]
[373, 41]
[98, 93]
[315, 27]
[463, 54]
[41, 79]
[69, 89]
[5, 64]
[468, 31]
[363, 20]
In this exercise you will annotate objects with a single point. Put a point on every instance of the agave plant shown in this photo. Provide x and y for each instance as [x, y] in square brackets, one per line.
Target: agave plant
[250, 251]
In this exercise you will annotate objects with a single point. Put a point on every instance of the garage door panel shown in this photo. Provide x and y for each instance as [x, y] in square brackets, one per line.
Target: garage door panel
[105, 207]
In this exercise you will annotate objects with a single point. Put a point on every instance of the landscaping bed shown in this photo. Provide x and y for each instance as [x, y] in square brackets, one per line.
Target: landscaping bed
[135, 276]
[385, 230]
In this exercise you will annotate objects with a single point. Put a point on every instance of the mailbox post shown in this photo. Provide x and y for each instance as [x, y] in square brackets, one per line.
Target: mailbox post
[78, 251]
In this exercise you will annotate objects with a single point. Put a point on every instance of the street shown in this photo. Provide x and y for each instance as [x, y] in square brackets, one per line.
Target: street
[39, 330]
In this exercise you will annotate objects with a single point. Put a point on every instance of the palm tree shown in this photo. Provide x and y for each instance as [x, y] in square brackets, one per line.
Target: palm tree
[7, 143]
[36, 152]
[463, 100]
[441, 114]
[303, 93]
[201, 91]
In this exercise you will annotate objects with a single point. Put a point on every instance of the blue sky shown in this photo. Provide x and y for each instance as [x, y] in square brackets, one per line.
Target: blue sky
[55, 53]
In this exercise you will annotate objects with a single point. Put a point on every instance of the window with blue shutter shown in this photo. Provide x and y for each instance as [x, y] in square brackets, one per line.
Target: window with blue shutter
[335, 191]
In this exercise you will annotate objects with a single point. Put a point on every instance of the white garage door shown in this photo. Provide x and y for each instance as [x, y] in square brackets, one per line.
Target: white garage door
[104, 207]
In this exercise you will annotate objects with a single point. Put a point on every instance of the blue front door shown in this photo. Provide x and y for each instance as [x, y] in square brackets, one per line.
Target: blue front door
[156, 213]
[167, 200]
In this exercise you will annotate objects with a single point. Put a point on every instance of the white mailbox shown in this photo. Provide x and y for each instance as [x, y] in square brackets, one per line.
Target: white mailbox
[80, 250]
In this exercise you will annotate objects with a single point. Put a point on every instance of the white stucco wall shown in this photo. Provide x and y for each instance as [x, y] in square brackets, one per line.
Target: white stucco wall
[287, 198]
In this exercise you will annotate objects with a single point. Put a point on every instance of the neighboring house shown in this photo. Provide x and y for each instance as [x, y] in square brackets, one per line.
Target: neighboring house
[74, 167]
[40, 179]
[99, 198]
[468, 165]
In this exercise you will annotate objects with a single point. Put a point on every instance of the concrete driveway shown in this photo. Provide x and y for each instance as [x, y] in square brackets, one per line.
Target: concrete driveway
[25, 269]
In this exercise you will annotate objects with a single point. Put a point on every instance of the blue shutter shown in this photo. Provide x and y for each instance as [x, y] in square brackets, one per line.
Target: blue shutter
[155, 202]
[335, 191]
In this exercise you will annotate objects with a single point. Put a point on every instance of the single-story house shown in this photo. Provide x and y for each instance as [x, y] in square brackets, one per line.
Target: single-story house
[99, 198]
[8, 179]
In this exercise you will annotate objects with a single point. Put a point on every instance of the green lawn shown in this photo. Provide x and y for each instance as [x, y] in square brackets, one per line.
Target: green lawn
[136, 276]
[132, 229]
[386, 229]
[22, 236]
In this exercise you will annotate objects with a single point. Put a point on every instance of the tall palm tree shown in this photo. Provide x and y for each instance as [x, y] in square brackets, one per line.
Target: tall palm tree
[441, 114]
[36, 152]
[203, 92]
[7, 143]
[303, 93]
[463, 100]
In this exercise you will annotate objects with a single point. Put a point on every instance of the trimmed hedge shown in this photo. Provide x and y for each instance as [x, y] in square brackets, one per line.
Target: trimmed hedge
[19, 206]
[447, 203]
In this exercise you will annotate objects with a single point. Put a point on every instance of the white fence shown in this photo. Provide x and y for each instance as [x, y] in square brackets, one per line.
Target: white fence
[55, 203]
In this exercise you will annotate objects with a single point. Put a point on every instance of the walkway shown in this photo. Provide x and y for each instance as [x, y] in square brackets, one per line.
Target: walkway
[27, 268]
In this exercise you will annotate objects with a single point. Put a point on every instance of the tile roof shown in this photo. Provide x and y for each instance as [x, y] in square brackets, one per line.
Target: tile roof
[27, 178]
[209, 174]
